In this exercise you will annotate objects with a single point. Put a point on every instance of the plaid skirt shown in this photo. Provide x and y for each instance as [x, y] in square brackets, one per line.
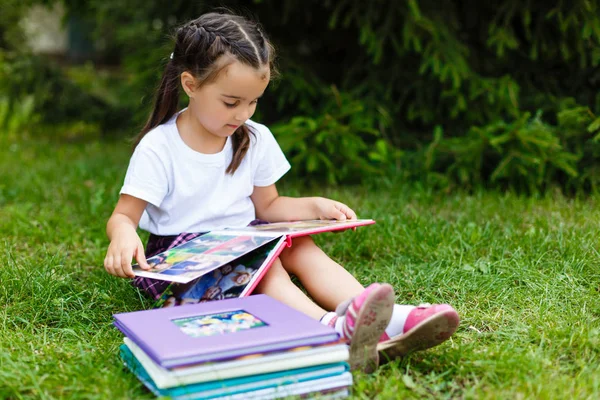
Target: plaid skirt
[155, 288]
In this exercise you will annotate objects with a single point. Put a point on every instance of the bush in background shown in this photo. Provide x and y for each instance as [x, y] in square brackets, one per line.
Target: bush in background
[471, 93]
[528, 153]
[63, 99]
[342, 144]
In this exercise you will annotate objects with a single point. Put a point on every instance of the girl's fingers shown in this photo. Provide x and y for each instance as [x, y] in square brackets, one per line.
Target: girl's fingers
[118, 261]
[118, 269]
[347, 211]
[108, 264]
[339, 214]
[351, 214]
[141, 257]
[128, 271]
[126, 264]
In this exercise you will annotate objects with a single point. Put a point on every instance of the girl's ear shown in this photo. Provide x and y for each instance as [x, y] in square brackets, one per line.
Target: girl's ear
[188, 82]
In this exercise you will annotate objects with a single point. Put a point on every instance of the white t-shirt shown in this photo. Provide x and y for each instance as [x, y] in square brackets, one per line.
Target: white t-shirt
[188, 191]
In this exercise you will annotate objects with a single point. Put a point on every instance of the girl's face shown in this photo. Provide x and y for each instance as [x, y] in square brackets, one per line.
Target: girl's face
[242, 278]
[224, 104]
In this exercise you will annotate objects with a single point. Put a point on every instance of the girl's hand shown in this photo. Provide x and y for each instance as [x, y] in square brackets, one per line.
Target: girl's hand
[331, 209]
[125, 245]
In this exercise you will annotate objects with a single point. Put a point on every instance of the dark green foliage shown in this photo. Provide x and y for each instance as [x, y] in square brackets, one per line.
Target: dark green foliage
[343, 142]
[527, 153]
[53, 94]
[474, 62]
[491, 76]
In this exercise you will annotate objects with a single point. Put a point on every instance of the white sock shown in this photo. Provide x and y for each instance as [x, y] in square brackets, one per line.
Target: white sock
[399, 316]
[394, 328]
[326, 319]
[338, 325]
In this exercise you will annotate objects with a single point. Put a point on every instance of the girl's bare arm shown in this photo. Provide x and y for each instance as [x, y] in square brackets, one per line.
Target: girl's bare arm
[274, 208]
[125, 244]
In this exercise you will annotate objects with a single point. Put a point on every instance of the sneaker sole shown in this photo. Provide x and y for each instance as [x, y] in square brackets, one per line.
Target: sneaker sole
[429, 333]
[371, 321]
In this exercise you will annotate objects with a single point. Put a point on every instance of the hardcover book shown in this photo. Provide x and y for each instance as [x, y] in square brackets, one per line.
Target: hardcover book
[225, 248]
[295, 358]
[236, 279]
[247, 384]
[220, 330]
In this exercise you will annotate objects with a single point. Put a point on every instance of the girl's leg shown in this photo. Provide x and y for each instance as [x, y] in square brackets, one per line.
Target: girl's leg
[411, 328]
[277, 284]
[363, 325]
[325, 280]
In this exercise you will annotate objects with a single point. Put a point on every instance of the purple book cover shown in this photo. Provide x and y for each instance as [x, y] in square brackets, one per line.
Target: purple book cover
[218, 330]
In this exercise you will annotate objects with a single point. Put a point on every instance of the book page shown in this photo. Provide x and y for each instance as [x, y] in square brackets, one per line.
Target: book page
[302, 228]
[201, 255]
[231, 280]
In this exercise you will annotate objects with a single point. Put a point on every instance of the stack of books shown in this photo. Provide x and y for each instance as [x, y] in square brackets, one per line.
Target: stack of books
[240, 348]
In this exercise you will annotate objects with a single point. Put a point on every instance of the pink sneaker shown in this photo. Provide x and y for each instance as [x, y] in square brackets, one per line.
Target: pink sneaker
[426, 326]
[367, 316]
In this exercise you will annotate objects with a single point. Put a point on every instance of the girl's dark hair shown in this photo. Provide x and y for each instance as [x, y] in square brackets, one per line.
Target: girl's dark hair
[203, 47]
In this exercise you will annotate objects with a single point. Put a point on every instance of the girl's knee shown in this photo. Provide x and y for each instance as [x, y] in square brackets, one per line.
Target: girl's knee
[300, 245]
[276, 275]
[303, 241]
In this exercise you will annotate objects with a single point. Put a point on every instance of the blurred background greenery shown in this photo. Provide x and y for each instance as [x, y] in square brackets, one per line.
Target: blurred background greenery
[451, 93]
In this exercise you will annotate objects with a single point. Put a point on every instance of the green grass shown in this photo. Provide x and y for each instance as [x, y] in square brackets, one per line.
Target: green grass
[522, 272]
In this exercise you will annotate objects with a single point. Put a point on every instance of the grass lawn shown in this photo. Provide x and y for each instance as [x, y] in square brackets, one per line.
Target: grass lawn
[524, 274]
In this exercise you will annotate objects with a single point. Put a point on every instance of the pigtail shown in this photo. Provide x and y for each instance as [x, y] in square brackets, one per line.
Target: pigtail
[165, 103]
[240, 145]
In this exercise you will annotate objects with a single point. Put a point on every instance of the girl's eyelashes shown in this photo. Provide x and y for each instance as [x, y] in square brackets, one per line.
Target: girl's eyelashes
[233, 105]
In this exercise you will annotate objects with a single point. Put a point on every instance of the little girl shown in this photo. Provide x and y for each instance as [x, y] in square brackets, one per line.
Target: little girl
[209, 167]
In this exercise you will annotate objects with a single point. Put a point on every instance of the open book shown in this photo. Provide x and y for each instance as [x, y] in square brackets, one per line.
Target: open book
[229, 263]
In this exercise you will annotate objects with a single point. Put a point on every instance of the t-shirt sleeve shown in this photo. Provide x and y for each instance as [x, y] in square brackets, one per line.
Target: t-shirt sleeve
[146, 176]
[271, 163]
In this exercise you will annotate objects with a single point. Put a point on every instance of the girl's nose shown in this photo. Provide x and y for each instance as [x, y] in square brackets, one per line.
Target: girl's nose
[243, 115]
